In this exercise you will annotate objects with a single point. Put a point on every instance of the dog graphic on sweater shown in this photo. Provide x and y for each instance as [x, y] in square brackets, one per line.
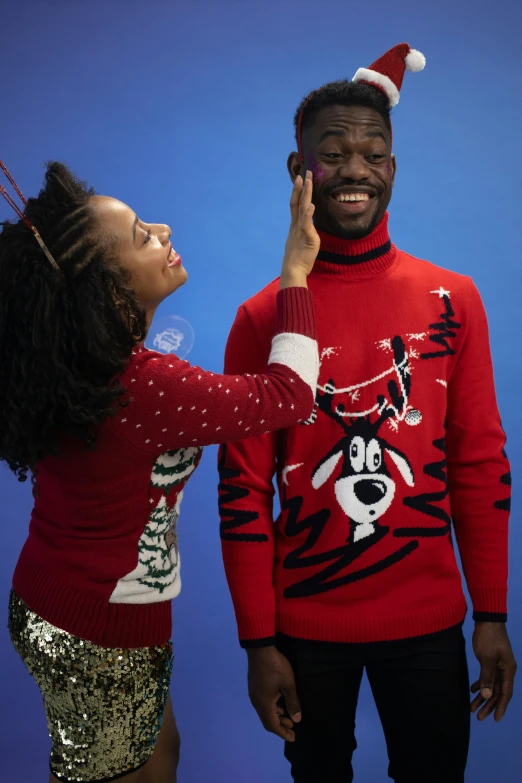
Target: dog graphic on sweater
[365, 489]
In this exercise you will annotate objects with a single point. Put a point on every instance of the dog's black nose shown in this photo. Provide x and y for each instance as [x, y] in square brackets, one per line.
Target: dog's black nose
[369, 491]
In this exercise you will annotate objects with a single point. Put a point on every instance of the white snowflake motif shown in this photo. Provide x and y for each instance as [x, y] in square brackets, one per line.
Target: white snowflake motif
[418, 336]
[441, 292]
[384, 345]
[394, 425]
[327, 352]
[413, 354]
[354, 396]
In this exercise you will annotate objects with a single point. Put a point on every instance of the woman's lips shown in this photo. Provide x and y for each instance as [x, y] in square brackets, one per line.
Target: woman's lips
[173, 259]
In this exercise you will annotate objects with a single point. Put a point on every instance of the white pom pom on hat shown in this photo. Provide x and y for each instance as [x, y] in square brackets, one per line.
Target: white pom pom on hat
[415, 61]
[387, 72]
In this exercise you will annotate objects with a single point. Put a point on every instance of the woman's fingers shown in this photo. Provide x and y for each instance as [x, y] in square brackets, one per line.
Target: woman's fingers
[295, 197]
[305, 198]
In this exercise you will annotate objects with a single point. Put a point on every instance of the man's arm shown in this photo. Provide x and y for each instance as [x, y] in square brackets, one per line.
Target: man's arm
[246, 493]
[480, 481]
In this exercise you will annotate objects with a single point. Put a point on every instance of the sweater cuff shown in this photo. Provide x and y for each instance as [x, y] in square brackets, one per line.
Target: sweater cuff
[489, 617]
[255, 644]
[257, 629]
[489, 601]
[295, 312]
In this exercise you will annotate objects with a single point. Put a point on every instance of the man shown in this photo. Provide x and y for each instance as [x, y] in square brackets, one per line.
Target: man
[404, 449]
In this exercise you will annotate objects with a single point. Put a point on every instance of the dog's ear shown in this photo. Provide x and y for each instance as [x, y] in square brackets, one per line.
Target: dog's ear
[402, 464]
[325, 468]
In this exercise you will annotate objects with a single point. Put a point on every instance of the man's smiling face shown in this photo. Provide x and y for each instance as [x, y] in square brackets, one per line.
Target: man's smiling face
[348, 149]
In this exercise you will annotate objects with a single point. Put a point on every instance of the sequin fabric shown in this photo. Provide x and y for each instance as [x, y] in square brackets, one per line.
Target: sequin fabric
[104, 706]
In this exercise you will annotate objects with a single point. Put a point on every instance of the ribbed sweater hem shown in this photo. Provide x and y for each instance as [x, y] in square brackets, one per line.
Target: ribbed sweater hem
[95, 620]
[372, 629]
[348, 627]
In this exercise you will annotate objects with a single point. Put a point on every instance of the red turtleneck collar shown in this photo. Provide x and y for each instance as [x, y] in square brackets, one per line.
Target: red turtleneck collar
[356, 258]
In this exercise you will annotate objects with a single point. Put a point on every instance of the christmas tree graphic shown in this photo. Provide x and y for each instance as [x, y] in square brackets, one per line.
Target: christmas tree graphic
[158, 556]
[173, 467]
[158, 546]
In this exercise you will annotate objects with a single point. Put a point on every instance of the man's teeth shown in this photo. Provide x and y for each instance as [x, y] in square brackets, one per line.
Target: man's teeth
[352, 197]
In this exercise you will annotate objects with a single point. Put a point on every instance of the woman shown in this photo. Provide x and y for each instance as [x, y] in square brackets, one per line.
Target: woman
[110, 433]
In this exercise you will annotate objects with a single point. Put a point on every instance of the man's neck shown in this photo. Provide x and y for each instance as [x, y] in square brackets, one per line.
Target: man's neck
[356, 258]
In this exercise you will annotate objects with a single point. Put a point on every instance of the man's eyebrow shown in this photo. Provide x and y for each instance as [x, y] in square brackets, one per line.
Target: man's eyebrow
[374, 134]
[330, 132]
[371, 134]
[134, 228]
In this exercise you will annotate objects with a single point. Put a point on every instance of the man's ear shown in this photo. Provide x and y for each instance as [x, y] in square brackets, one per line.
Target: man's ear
[294, 166]
[393, 169]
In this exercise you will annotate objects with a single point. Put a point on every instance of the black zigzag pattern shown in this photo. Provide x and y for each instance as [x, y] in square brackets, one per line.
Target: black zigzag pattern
[426, 502]
[504, 504]
[229, 493]
[338, 558]
[445, 330]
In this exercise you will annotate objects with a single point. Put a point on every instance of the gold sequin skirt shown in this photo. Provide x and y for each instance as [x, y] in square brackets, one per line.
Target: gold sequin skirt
[104, 706]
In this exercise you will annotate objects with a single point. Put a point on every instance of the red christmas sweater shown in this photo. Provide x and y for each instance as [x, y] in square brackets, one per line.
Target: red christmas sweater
[403, 452]
[101, 560]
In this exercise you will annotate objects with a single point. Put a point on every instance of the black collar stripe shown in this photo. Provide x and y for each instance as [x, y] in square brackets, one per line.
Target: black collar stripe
[336, 258]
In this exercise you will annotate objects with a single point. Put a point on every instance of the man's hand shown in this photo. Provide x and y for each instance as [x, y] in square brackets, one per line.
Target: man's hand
[271, 682]
[494, 689]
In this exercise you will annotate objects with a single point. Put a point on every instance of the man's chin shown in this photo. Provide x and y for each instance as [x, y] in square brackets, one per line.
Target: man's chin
[356, 227]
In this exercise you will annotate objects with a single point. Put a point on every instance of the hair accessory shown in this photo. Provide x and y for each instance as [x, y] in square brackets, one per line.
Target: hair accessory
[12, 203]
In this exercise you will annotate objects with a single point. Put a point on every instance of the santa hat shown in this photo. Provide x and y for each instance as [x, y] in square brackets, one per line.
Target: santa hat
[387, 72]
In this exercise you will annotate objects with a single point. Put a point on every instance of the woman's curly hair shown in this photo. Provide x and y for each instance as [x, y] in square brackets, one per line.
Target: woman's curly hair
[64, 338]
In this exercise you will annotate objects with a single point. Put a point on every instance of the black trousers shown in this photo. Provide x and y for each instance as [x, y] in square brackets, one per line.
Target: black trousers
[420, 687]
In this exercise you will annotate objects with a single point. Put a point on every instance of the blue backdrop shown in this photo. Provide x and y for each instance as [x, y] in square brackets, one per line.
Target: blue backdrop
[184, 110]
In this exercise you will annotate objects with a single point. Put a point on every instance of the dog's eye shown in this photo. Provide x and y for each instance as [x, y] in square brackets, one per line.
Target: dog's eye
[357, 453]
[373, 456]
